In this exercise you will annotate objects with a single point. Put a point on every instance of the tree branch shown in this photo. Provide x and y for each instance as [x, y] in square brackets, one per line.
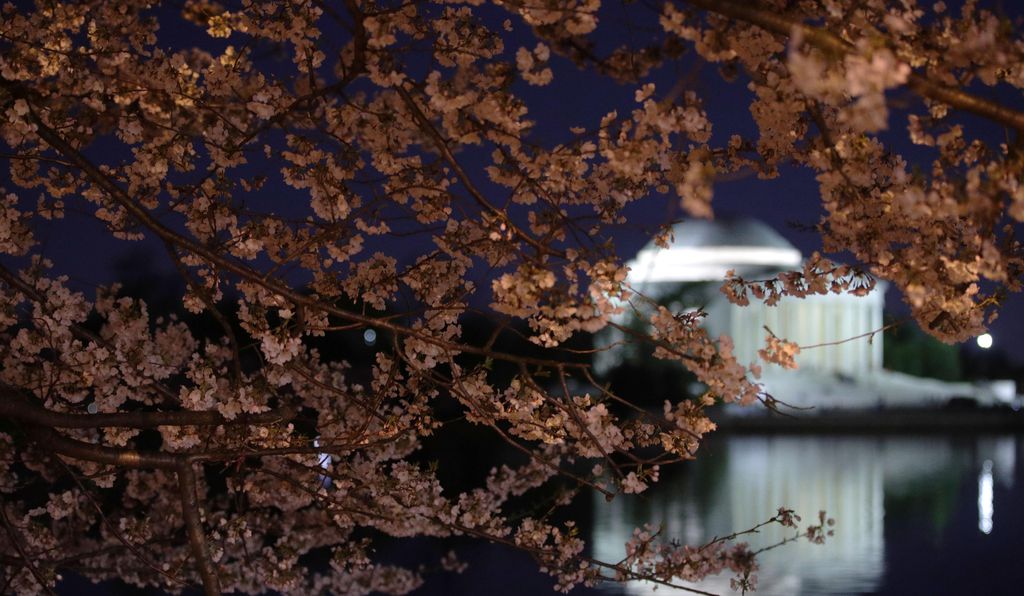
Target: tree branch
[128, 458]
[825, 40]
[19, 408]
[194, 528]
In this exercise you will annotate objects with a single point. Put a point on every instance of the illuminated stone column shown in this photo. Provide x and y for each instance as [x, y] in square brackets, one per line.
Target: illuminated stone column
[829, 333]
[853, 347]
[876, 323]
[846, 364]
[812, 326]
[868, 343]
[755, 322]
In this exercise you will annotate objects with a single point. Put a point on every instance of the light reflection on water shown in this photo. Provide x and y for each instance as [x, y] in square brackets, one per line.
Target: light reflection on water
[742, 480]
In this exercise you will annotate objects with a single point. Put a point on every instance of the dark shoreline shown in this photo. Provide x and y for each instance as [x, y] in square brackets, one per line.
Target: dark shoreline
[889, 420]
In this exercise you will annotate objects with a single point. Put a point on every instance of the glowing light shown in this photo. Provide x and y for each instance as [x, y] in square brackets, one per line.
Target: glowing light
[985, 507]
[984, 341]
[369, 337]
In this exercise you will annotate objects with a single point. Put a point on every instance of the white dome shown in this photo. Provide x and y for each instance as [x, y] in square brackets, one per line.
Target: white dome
[704, 250]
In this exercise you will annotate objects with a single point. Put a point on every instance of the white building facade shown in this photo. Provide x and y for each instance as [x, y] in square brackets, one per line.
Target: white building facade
[840, 335]
[839, 326]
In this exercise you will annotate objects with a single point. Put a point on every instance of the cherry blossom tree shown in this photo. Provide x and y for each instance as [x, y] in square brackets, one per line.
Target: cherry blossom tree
[316, 168]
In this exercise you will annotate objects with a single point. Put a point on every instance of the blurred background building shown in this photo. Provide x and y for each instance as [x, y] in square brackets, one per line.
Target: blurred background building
[842, 362]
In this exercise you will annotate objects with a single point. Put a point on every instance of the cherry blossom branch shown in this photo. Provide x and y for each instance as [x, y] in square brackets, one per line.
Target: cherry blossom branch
[274, 286]
[442, 147]
[127, 458]
[194, 528]
[27, 561]
[211, 307]
[131, 458]
[533, 455]
[353, 71]
[655, 342]
[617, 567]
[317, 496]
[116, 533]
[35, 157]
[78, 331]
[573, 411]
[99, 552]
[370, 409]
[359, 42]
[825, 40]
[456, 387]
[611, 395]
[18, 408]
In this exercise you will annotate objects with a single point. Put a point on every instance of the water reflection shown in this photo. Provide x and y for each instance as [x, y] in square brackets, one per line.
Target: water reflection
[742, 481]
[985, 508]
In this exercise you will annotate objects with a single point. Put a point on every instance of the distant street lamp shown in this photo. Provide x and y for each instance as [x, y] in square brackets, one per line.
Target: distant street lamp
[984, 341]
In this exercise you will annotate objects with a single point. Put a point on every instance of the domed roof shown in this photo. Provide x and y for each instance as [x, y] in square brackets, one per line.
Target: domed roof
[704, 250]
[726, 232]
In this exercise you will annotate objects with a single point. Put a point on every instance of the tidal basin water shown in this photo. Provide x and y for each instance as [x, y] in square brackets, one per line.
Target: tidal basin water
[923, 514]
